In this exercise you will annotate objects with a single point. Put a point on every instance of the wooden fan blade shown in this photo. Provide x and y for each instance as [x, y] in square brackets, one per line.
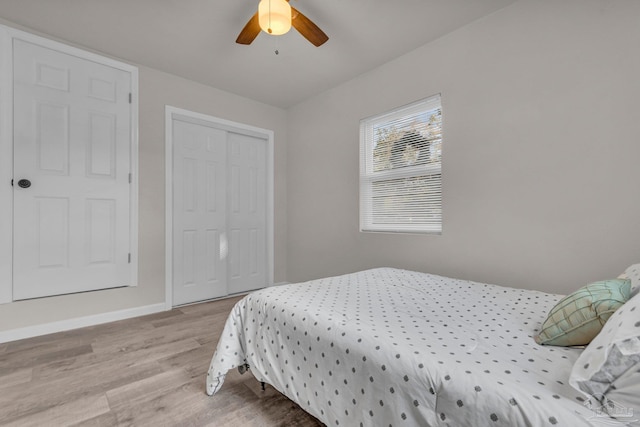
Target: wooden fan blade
[308, 29]
[250, 31]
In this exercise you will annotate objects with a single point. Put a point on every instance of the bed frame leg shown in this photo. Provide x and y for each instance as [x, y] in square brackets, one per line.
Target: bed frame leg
[262, 384]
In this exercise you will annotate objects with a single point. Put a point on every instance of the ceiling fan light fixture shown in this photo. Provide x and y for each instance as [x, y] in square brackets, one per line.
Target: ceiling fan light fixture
[274, 16]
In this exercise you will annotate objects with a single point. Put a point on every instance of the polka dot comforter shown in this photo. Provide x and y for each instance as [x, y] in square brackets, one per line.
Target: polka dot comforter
[389, 347]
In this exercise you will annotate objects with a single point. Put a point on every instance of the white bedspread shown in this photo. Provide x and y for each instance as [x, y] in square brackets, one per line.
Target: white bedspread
[388, 347]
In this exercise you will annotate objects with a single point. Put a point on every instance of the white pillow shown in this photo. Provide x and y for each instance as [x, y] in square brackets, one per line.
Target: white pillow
[633, 274]
[607, 368]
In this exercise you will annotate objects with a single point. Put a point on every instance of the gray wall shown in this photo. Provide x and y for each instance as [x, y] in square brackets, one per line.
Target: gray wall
[541, 111]
[158, 89]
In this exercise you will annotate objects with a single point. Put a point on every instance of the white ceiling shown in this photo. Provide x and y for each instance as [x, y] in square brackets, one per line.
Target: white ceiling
[195, 39]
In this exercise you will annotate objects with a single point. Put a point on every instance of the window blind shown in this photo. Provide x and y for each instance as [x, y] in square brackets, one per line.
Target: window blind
[400, 169]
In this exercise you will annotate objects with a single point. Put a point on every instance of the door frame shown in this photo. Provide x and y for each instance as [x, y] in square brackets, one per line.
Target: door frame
[173, 113]
[7, 35]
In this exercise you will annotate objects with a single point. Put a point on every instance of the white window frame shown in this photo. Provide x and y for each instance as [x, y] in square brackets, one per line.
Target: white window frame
[368, 176]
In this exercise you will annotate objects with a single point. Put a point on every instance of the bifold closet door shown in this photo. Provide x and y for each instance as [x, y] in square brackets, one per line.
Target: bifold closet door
[199, 212]
[219, 212]
[247, 221]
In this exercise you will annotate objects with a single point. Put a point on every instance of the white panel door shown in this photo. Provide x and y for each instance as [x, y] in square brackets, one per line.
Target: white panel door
[72, 141]
[247, 213]
[199, 212]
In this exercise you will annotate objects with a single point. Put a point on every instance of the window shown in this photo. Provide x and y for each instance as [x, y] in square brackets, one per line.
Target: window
[400, 169]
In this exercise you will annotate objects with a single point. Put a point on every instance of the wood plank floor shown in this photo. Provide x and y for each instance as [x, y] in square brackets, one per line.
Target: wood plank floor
[146, 371]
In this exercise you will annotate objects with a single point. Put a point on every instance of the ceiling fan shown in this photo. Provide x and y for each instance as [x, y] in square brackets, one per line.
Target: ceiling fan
[304, 25]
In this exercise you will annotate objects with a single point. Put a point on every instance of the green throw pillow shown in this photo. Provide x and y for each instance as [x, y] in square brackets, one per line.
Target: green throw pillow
[577, 318]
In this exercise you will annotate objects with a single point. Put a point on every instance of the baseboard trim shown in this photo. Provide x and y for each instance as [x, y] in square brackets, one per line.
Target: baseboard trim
[78, 322]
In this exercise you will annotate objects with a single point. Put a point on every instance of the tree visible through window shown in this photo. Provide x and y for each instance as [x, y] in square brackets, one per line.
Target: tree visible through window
[400, 169]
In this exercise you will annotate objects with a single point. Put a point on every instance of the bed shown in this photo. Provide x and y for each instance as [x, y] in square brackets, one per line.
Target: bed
[391, 347]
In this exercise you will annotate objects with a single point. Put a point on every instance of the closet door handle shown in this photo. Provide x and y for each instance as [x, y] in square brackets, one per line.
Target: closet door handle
[224, 246]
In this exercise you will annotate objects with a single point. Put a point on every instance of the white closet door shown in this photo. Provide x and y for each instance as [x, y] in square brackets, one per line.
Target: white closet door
[247, 213]
[199, 212]
[72, 141]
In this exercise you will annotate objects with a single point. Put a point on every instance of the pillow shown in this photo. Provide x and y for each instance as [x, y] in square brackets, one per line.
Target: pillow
[577, 318]
[633, 273]
[609, 368]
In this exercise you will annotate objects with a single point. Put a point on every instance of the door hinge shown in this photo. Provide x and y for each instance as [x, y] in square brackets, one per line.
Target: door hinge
[129, 258]
[130, 178]
[12, 183]
[130, 97]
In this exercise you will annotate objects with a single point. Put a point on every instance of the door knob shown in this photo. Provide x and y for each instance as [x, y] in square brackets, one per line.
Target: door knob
[24, 183]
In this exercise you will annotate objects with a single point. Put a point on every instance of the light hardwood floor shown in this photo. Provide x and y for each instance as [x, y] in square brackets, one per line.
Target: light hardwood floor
[147, 371]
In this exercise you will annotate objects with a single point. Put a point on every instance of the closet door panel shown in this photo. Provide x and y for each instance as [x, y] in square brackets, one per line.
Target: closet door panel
[248, 215]
[199, 212]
